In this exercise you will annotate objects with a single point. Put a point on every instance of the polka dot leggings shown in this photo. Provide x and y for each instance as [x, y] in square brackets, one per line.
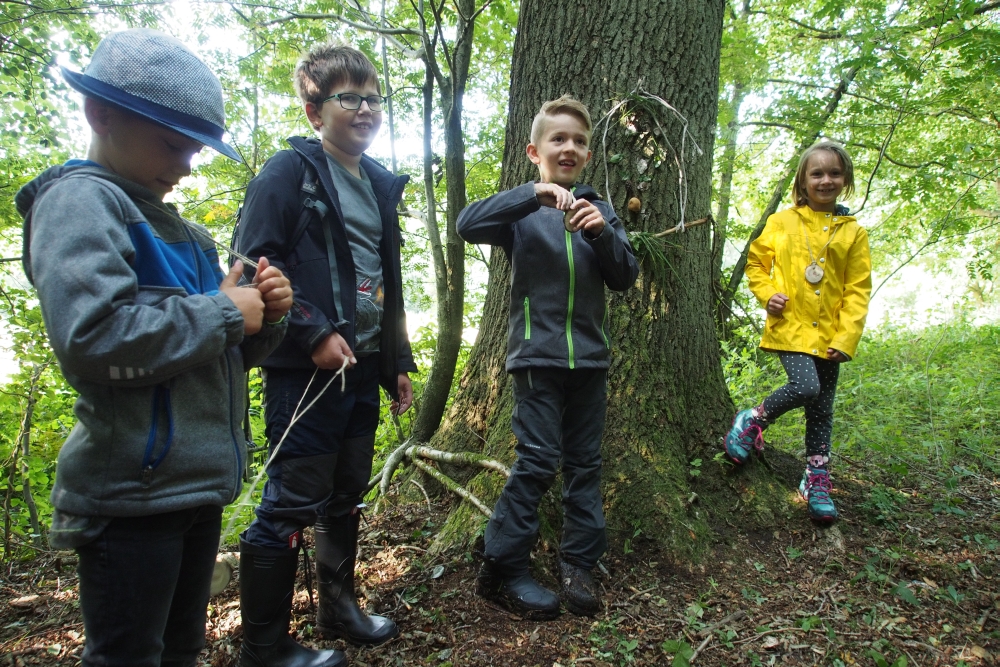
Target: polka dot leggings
[812, 383]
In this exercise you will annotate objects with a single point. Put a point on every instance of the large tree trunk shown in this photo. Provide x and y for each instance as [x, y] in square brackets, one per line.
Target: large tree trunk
[668, 403]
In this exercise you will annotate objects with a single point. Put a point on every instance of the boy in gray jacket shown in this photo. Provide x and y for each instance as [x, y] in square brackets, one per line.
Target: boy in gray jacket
[155, 339]
[564, 246]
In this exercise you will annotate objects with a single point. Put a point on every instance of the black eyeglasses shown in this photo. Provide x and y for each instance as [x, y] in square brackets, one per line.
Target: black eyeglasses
[352, 101]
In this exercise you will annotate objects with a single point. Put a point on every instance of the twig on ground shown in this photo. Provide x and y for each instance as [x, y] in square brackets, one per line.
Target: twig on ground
[467, 458]
[426, 497]
[700, 647]
[733, 617]
[453, 486]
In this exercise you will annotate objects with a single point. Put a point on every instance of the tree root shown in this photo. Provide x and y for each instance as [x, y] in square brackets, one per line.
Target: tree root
[416, 454]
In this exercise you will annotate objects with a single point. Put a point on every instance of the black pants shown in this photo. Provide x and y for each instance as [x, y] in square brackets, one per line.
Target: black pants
[325, 463]
[144, 588]
[812, 383]
[558, 414]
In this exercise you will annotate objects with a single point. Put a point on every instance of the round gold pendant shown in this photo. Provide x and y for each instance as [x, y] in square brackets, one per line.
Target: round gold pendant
[814, 273]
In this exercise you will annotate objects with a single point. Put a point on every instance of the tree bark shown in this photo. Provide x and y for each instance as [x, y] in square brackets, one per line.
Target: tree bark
[668, 402]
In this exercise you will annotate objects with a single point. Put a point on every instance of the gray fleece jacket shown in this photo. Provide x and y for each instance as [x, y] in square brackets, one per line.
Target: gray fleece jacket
[558, 314]
[129, 295]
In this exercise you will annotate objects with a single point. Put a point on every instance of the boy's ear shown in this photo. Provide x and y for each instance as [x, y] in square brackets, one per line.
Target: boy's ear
[99, 116]
[532, 152]
[313, 114]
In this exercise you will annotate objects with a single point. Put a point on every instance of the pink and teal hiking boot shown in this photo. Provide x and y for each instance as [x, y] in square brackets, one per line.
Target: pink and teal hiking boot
[745, 436]
[815, 489]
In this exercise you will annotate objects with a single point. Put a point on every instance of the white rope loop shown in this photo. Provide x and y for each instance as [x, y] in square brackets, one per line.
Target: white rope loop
[296, 416]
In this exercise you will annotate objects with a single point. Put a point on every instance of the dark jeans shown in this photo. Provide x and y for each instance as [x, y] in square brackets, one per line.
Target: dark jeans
[558, 414]
[325, 463]
[144, 587]
[812, 383]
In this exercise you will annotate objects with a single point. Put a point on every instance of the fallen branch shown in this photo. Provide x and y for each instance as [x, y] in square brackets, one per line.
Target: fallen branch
[735, 616]
[467, 458]
[391, 463]
[453, 486]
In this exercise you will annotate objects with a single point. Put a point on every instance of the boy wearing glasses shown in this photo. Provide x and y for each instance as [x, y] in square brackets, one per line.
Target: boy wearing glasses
[324, 213]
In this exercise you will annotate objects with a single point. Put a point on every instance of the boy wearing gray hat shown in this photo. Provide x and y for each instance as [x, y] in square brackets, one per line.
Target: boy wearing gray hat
[155, 338]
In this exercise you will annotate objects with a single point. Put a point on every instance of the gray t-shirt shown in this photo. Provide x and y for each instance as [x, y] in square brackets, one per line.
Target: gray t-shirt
[364, 232]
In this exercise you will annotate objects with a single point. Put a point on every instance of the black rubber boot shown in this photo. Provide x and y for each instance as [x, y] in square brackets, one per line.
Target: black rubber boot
[578, 590]
[518, 593]
[267, 579]
[339, 614]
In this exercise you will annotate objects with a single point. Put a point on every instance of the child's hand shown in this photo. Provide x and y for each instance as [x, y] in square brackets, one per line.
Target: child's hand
[554, 196]
[249, 301]
[405, 388]
[587, 217]
[274, 288]
[330, 354]
[776, 304]
[836, 355]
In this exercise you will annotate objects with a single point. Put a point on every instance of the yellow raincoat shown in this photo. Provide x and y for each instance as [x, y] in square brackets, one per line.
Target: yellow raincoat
[829, 314]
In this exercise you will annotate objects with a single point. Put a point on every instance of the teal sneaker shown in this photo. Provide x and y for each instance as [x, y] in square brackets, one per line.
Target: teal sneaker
[815, 489]
[745, 436]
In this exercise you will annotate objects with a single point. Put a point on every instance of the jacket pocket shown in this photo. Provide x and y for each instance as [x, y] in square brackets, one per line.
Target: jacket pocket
[150, 460]
[527, 319]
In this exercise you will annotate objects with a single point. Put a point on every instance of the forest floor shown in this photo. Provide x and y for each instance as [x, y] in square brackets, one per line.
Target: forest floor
[908, 576]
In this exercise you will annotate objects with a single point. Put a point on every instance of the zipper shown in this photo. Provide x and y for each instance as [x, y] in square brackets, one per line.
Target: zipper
[148, 464]
[527, 320]
[569, 307]
[604, 323]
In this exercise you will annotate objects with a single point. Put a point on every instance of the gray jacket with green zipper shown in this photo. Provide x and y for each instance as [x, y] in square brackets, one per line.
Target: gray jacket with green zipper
[558, 311]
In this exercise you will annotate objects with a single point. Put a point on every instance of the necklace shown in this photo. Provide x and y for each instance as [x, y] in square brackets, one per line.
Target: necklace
[814, 272]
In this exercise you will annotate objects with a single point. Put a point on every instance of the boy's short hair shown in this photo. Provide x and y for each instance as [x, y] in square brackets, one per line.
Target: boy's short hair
[566, 104]
[328, 65]
[798, 185]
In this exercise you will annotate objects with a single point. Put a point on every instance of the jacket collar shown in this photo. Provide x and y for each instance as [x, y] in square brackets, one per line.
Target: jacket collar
[385, 184]
[840, 213]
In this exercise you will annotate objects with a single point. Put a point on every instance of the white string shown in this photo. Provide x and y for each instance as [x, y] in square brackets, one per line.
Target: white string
[679, 157]
[296, 416]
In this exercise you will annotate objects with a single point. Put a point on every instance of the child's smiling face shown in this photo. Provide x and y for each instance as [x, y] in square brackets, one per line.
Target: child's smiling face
[562, 151]
[824, 180]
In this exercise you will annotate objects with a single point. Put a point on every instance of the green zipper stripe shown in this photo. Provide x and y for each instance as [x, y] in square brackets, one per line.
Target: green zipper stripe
[604, 324]
[569, 307]
[527, 320]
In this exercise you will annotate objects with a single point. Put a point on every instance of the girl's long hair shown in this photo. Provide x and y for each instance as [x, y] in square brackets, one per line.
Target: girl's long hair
[799, 186]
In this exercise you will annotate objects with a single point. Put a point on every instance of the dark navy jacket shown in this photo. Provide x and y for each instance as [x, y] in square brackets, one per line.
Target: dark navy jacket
[271, 212]
[558, 315]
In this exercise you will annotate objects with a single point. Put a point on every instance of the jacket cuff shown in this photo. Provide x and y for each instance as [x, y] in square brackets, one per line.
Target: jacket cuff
[232, 319]
[318, 335]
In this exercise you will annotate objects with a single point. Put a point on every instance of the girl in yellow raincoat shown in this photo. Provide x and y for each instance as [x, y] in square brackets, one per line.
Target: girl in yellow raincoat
[811, 270]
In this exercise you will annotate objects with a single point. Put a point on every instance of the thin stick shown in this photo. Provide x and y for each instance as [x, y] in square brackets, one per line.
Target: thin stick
[735, 616]
[698, 650]
[453, 486]
[673, 230]
[467, 458]
[426, 497]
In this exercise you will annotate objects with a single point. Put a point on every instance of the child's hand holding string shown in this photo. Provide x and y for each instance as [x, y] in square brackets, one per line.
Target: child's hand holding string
[249, 301]
[275, 289]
